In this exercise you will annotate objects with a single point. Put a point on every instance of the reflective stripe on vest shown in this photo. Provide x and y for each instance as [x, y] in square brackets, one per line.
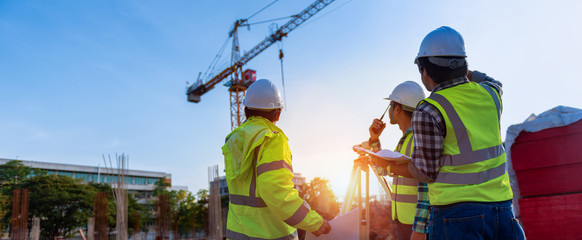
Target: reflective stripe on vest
[472, 178]
[466, 154]
[495, 99]
[404, 198]
[239, 236]
[253, 201]
[265, 167]
[299, 214]
[409, 148]
[407, 182]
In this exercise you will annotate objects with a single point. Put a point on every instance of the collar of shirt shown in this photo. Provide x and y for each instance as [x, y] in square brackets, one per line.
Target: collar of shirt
[401, 141]
[409, 130]
[450, 83]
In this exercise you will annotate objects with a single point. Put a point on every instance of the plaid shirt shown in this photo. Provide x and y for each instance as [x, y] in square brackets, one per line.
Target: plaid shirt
[422, 209]
[429, 130]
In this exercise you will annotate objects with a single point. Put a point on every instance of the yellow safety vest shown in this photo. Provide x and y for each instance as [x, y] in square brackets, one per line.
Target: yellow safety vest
[473, 153]
[405, 190]
[263, 203]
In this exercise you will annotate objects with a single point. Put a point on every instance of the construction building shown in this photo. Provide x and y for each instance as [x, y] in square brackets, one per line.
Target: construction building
[140, 183]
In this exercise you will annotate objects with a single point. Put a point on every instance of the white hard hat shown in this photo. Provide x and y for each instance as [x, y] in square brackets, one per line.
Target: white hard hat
[443, 41]
[408, 93]
[263, 94]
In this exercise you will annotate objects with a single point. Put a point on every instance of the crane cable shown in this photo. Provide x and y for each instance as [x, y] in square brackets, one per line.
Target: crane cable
[262, 9]
[282, 75]
[321, 16]
[271, 20]
[214, 62]
[216, 59]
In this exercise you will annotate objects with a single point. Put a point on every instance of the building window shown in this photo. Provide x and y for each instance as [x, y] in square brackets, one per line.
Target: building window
[113, 179]
[152, 180]
[93, 177]
[107, 178]
[82, 176]
[139, 180]
[65, 173]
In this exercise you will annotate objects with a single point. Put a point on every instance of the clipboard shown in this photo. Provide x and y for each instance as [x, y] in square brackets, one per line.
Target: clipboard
[385, 154]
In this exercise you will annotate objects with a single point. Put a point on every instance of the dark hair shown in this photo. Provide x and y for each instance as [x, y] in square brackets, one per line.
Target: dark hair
[270, 114]
[440, 74]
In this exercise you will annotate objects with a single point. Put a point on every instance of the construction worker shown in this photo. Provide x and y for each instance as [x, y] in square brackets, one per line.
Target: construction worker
[458, 149]
[403, 101]
[263, 203]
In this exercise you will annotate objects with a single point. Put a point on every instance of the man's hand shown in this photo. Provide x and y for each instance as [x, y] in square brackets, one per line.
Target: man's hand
[364, 145]
[470, 75]
[380, 162]
[376, 129]
[324, 229]
[417, 236]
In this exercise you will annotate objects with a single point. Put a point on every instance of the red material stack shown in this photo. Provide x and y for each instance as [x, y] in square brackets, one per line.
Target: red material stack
[548, 166]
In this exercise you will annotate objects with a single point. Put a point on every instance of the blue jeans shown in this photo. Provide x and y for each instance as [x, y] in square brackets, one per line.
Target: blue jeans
[474, 220]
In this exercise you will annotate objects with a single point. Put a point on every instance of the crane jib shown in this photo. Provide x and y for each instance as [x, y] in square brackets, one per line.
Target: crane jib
[300, 18]
[237, 86]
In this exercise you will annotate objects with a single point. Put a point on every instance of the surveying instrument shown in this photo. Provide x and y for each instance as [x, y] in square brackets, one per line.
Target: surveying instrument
[362, 163]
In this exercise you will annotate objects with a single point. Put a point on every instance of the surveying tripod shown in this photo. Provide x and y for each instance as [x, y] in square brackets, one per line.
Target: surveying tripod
[362, 163]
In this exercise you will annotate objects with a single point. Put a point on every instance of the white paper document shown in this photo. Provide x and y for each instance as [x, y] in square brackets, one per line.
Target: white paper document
[344, 227]
[386, 155]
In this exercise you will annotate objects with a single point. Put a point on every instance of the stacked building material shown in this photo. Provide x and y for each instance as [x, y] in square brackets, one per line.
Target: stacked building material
[548, 167]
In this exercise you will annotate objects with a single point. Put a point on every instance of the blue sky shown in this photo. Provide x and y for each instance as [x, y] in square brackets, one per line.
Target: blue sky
[83, 78]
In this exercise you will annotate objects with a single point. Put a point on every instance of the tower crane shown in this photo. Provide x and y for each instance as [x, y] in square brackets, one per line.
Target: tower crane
[237, 85]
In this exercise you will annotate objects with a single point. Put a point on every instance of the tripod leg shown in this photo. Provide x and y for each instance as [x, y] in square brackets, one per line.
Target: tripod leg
[349, 193]
[384, 184]
[355, 185]
[368, 209]
[360, 208]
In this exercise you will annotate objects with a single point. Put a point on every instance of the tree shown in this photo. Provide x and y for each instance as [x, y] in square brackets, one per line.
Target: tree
[188, 212]
[137, 214]
[60, 202]
[184, 218]
[321, 198]
[201, 210]
[161, 187]
[14, 171]
[12, 174]
[4, 201]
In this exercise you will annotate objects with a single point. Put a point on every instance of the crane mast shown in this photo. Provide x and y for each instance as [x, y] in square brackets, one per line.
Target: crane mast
[237, 86]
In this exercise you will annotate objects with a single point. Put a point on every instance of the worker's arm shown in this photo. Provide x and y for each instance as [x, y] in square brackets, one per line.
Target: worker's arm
[429, 131]
[376, 129]
[275, 186]
[400, 170]
[390, 167]
[482, 78]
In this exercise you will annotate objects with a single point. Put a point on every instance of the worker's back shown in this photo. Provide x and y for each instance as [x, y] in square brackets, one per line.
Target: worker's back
[474, 166]
[263, 203]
